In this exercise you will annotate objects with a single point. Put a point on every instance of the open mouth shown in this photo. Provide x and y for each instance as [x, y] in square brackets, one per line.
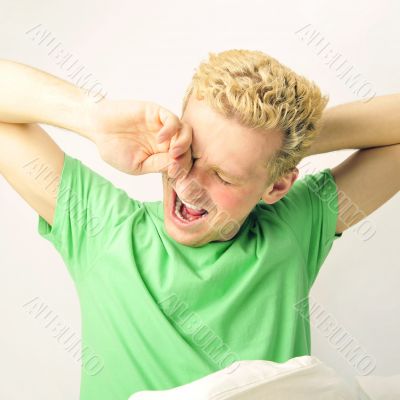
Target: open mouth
[184, 213]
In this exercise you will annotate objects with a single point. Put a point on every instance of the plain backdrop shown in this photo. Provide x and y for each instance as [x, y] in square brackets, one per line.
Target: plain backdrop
[149, 51]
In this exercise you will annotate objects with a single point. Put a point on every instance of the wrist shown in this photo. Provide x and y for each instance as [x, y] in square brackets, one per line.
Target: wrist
[72, 108]
[87, 117]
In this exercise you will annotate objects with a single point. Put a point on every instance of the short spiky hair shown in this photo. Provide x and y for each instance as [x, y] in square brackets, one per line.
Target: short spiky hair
[261, 93]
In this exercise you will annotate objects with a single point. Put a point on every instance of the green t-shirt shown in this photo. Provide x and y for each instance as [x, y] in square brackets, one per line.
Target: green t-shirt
[157, 314]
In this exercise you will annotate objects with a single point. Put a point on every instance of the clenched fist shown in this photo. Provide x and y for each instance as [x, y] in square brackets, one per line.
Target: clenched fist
[140, 137]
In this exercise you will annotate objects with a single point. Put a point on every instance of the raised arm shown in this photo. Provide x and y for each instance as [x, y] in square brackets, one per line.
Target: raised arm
[125, 133]
[27, 153]
[370, 176]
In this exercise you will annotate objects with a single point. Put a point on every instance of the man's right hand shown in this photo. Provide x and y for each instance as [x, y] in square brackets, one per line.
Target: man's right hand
[125, 132]
[139, 137]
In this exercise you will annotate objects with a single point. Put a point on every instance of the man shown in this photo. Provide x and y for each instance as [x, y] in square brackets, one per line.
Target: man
[172, 291]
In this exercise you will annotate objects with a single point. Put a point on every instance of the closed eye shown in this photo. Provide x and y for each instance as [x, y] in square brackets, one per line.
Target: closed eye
[223, 182]
[219, 178]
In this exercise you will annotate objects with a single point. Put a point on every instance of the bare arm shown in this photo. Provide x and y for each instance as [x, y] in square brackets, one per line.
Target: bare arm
[371, 176]
[124, 131]
[28, 97]
[359, 125]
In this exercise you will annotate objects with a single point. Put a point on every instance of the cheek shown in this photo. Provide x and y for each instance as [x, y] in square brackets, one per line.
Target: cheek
[229, 200]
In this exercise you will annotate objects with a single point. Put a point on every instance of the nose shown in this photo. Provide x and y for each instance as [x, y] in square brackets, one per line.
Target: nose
[191, 187]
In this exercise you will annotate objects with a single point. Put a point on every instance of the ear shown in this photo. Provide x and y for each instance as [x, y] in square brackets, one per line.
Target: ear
[279, 188]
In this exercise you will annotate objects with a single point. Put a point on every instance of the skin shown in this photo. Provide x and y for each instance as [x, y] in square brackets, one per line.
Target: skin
[135, 137]
[237, 150]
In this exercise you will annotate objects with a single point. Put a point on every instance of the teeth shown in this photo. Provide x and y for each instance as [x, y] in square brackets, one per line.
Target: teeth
[191, 205]
[178, 205]
[177, 208]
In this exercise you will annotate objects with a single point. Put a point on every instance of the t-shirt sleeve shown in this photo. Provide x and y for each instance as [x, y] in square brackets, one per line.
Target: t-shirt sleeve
[310, 208]
[88, 210]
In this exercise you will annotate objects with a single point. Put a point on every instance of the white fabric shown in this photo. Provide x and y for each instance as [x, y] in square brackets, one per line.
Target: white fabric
[301, 378]
[380, 387]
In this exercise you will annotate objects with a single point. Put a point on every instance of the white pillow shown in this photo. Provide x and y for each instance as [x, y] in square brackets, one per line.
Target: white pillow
[380, 387]
[301, 378]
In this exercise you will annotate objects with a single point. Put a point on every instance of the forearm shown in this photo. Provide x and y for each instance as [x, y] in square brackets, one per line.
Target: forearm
[359, 125]
[28, 95]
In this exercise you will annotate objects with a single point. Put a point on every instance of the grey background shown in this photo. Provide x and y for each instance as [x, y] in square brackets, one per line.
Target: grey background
[148, 51]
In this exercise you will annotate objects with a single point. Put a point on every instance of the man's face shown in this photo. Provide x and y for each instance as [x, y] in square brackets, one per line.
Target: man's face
[227, 177]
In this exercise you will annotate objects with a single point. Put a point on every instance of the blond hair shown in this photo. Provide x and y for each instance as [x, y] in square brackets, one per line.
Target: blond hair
[261, 93]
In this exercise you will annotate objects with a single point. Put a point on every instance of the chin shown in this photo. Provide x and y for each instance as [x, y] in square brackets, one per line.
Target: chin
[190, 232]
[185, 235]
[193, 233]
